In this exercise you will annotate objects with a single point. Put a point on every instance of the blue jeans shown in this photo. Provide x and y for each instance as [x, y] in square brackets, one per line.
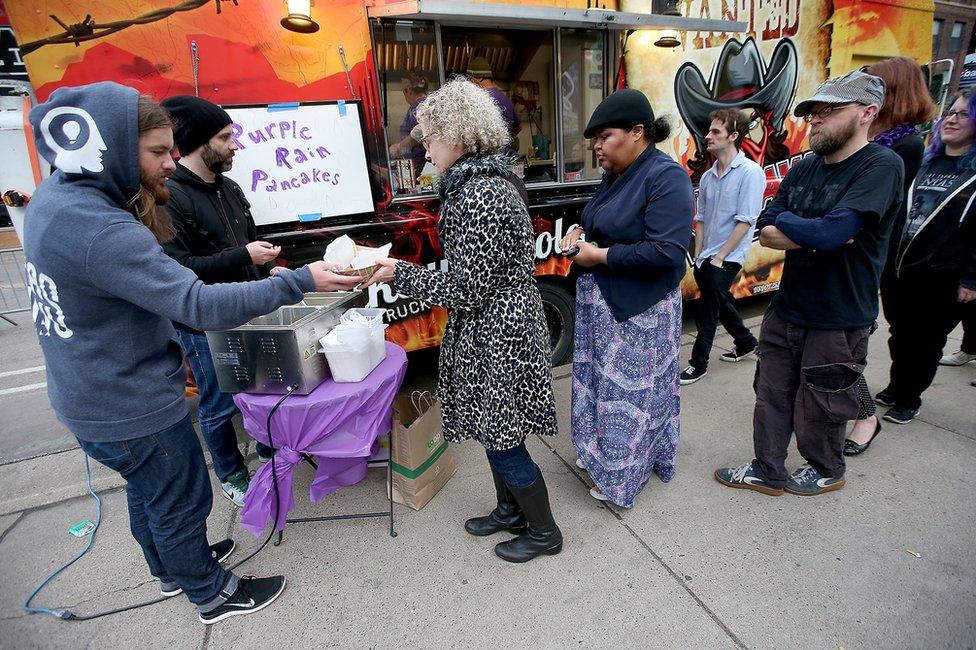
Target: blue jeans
[216, 410]
[170, 497]
[515, 466]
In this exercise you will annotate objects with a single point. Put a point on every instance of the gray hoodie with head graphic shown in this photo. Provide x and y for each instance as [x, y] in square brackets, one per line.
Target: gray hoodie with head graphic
[103, 293]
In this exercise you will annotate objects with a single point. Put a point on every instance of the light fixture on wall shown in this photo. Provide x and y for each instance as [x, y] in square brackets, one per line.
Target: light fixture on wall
[299, 18]
[667, 38]
[665, 7]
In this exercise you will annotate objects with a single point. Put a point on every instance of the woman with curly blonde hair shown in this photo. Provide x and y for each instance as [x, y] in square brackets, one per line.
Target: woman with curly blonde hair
[495, 381]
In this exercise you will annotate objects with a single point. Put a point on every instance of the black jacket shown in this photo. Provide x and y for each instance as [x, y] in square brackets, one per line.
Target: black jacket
[945, 244]
[213, 225]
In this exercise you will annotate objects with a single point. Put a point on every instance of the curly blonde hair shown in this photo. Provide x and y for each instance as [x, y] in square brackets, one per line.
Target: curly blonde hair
[459, 112]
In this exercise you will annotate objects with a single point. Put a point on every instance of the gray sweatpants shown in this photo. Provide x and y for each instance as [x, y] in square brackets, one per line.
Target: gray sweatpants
[807, 382]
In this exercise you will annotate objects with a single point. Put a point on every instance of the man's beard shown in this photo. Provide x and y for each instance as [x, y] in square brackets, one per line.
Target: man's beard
[824, 144]
[159, 191]
[147, 206]
[216, 162]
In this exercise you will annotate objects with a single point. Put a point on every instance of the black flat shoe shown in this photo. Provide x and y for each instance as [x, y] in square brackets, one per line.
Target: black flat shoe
[851, 448]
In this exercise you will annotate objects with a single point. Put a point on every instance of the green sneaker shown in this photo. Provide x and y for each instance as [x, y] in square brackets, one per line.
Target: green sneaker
[235, 487]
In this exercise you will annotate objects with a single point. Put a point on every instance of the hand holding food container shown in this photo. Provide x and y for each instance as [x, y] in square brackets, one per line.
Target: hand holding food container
[352, 259]
[326, 278]
[384, 270]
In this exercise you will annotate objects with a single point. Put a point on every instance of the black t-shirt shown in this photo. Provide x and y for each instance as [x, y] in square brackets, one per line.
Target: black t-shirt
[939, 176]
[838, 290]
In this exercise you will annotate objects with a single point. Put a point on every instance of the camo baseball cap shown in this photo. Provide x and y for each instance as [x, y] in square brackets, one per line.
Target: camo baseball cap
[857, 87]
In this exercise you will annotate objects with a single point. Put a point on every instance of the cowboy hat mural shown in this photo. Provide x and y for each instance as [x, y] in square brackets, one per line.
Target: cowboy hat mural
[742, 80]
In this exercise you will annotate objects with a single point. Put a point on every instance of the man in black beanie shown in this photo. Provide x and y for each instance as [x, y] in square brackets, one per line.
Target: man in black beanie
[216, 238]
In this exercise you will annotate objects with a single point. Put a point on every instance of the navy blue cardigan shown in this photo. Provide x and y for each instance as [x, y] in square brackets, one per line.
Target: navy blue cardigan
[644, 217]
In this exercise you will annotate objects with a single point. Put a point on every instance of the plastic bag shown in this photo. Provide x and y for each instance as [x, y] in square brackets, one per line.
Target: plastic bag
[371, 319]
[354, 348]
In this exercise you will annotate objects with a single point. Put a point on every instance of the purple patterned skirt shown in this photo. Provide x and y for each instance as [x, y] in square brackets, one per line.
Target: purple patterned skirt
[626, 405]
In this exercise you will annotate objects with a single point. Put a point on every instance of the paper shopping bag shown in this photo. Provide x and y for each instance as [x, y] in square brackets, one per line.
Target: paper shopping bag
[422, 462]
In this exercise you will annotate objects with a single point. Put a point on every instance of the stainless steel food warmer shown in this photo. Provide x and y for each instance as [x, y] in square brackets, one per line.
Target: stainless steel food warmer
[272, 352]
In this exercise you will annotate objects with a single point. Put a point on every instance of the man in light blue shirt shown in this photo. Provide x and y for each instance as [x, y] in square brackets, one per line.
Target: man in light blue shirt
[730, 198]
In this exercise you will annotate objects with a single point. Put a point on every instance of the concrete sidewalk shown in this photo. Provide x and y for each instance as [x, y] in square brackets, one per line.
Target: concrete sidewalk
[692, 565]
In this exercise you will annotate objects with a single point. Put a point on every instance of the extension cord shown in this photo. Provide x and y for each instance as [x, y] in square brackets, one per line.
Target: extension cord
[68, 615]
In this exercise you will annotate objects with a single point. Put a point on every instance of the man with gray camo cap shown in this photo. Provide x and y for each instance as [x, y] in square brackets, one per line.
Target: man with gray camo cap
[832, 215]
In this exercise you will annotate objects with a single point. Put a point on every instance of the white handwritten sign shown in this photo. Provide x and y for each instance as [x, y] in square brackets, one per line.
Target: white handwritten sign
[301, 162]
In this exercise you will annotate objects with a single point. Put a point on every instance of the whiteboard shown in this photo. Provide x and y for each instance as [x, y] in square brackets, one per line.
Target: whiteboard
[301, 161]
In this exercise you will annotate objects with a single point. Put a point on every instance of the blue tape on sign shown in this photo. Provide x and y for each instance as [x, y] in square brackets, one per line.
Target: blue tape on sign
[312, 216]
[283, 106]
[342, 108]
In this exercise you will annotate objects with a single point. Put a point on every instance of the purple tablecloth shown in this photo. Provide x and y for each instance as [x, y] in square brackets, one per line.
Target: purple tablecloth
[336, 423]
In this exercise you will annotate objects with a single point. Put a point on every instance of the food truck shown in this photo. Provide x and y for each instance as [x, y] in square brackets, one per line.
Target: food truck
[323, 89]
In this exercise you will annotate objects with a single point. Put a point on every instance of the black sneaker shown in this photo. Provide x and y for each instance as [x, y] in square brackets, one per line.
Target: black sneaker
[745, 478]
[220, 551]
[901, 415]
[252, 595]
[691, 374]
[884, 398]
[737, 355]
[808, 482]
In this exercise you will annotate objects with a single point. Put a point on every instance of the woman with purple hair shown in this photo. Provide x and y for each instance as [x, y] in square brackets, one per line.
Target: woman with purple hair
[907, 104]
[935, 259]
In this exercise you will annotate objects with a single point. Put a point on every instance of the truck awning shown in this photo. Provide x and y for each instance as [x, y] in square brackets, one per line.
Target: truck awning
[478, 14]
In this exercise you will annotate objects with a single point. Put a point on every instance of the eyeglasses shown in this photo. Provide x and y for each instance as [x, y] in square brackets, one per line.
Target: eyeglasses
[959, 115]
[425, 139]
[826, 111]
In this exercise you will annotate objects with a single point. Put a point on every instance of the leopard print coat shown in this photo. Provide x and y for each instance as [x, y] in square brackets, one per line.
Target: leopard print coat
[495, 377]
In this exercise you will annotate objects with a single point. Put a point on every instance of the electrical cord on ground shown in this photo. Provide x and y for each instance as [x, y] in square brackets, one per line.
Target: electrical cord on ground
[274, 479]
[68, 615]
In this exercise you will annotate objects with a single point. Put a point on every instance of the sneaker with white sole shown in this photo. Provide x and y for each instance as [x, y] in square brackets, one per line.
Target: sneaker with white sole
[746, 478]
[737, 355]
[885, 398]
[235, 487]
[957, 358]
[691, 374]
[220, 551]
[580, 464]
[252, 595]
[600, 496]
[901, 415]
[807, 481]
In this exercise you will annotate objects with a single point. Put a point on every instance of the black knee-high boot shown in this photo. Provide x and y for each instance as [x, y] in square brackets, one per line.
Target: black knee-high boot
[506, 516]
[543, 536]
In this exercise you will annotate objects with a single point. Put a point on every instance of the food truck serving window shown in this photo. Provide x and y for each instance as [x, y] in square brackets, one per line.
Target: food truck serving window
[407, 62]
[547, 83]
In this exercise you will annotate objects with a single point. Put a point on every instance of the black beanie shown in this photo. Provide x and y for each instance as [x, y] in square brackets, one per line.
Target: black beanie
[197, 120]
[622, 109]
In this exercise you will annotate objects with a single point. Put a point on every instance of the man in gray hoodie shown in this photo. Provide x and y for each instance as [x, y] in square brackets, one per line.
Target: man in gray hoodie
[104, 295]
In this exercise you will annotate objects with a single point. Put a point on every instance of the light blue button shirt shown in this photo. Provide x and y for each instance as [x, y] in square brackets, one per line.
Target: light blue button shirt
[723, 201]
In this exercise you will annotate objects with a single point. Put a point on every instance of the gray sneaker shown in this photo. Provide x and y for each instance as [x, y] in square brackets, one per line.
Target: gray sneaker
[806, 481]
[235, 487]
[745, 478]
